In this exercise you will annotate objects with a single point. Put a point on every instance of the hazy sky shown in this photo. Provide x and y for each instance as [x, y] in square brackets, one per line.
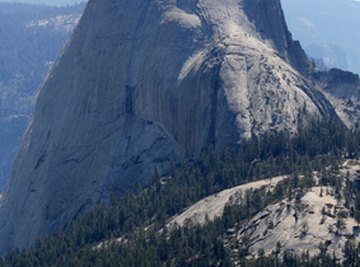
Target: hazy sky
[47, 2]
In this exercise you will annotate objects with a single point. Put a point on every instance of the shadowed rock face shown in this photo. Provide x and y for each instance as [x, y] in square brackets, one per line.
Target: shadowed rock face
[342, 84]
[143, 85]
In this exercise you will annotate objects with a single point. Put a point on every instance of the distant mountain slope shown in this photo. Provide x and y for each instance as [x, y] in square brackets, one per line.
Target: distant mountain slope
[30, 40]
[327, 29]
[46, 2]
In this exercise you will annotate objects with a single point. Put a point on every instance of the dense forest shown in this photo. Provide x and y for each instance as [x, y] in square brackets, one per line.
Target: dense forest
[131, 230]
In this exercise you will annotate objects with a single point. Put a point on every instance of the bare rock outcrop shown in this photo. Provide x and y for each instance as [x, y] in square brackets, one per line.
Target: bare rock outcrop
[143, 85]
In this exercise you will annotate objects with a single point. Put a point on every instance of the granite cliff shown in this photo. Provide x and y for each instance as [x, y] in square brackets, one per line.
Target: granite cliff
[143, 85]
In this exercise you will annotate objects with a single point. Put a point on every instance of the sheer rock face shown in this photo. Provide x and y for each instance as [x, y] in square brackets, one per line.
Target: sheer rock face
[144, 84]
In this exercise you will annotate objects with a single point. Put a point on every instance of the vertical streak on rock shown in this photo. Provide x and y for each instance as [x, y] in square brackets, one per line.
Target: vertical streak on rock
[129, 101]
[214, 103]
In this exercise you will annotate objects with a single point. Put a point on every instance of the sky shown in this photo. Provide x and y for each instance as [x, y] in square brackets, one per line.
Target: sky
[47, 2]
[327, 30]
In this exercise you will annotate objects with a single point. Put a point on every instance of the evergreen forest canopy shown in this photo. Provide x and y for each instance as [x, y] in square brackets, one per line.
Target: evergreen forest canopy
[137, 220]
